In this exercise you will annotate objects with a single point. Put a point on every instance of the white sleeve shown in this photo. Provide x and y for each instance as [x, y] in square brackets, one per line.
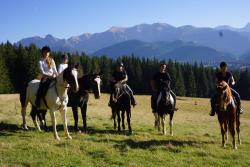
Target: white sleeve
[60, 68]
[41, 70]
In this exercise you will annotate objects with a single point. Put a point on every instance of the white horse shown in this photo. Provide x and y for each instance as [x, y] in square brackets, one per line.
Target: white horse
[56, 98]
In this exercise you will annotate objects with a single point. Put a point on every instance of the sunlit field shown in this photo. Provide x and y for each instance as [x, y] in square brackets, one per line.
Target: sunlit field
[196, 140]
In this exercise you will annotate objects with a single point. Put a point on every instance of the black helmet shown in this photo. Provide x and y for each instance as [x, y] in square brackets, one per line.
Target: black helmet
[64, 56]
[45, 49]
[223, 64]
[162, 63]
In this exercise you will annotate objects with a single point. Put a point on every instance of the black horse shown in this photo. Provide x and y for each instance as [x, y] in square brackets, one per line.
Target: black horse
[77, 99]
[162, 105]
[120, 104]
[80, 98]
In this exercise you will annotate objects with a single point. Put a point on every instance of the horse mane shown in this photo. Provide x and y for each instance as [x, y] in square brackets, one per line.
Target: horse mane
[228, 93]
[84, 82]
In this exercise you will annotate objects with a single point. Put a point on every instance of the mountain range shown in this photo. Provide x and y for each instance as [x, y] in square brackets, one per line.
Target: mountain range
[154, 40]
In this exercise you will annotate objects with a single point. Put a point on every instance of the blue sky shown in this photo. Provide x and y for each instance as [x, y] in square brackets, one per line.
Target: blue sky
[65, 18]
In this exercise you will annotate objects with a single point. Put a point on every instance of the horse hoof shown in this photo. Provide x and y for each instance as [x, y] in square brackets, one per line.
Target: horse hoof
[239, 142]
[57, 138]
[69, 137]
[235, 147]
[24, 127]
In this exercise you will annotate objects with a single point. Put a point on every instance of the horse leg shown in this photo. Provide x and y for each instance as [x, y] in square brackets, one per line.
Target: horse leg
[23, 112]
[231, 122]
[171, 123]
[156, 120]
[119, 120]
[43, 115]
[123, 120]
[84, 117]
[128, 112]
[222, 124]
[114, 117]
[63, 112]
[75, 114]
[163, 119]
[33, 114]
[238, 127]
[53, 119]
[226, 132]
[159, 122]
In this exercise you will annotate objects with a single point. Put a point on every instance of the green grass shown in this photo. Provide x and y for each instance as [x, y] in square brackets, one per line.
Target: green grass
[196, 141]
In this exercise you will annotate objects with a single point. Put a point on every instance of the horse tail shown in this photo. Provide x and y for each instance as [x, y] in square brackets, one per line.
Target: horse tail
[22, 94]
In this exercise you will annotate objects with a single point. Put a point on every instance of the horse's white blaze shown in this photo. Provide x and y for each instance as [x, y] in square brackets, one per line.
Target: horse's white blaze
[98, 81]
[74, 72]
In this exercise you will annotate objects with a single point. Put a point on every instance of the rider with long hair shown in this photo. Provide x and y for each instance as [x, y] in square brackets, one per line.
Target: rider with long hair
[47, 71]
[225, 75]
[161, 76]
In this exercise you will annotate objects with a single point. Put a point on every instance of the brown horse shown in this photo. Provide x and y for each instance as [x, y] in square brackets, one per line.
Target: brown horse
[227, 113]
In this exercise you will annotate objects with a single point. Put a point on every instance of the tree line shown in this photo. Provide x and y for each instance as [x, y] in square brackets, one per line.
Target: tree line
[19, 64]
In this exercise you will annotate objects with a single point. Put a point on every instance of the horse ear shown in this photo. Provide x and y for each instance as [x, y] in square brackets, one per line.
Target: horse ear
[77, 65]
[100, 73]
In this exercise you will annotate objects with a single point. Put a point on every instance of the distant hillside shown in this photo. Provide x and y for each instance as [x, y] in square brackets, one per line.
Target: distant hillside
[221, 38]
[177, 50]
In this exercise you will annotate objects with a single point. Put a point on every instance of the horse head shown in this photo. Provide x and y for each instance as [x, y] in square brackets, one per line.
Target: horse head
[118, 90]
[224, 95]
[165, 92]
[70, 76]
[96, 84]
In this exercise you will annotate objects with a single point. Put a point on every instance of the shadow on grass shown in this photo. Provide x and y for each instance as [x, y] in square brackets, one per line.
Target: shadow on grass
[148, 144]
[9, 127]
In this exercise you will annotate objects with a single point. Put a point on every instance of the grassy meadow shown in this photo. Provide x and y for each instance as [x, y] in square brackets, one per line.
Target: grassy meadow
[196, 140]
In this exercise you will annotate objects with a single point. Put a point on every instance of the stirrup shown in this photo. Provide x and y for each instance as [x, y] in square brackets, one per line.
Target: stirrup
[240, 110]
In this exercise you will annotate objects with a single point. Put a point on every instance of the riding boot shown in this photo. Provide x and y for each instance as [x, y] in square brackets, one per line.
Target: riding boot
[39, 96]
[133, 103]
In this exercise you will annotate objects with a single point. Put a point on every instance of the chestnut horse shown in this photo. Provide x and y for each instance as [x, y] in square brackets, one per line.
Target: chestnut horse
[227, 113]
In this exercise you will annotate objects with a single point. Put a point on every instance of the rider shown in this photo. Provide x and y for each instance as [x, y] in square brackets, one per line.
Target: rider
[225, 75]
[47, 71]
[64, 63]
[120, 75]
[160, 76]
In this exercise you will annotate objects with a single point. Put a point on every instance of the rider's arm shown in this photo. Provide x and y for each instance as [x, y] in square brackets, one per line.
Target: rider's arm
[125, 79]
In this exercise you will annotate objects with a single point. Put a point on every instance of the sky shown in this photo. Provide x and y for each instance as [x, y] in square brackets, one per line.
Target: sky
[65, 18]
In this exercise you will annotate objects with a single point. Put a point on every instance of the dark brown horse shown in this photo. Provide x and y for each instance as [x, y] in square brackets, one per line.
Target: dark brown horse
[163, 106]
[80, 98]
[120, 104]
[227, 113]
